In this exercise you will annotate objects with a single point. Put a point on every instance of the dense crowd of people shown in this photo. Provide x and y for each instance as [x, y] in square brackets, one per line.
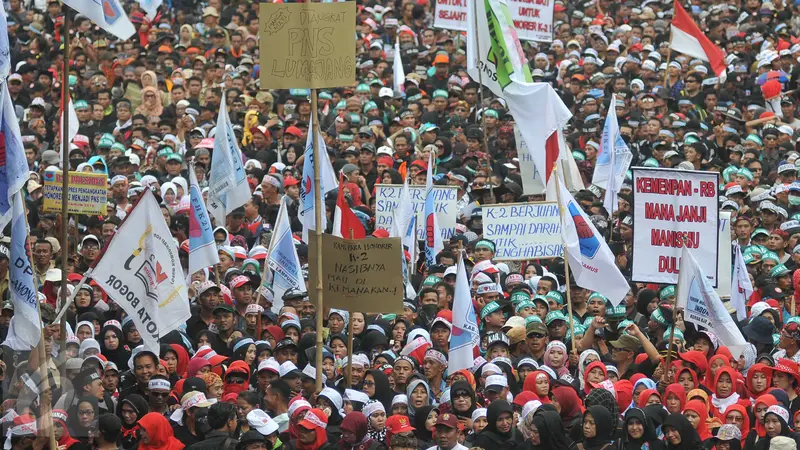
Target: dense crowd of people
[558, 368]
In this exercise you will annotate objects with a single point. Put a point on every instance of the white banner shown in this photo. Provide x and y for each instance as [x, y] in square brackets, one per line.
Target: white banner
[388, 196]
[523, 231]
[671, 206]
[533, 19]
[141, 271]
[725, 261]
[532, 183]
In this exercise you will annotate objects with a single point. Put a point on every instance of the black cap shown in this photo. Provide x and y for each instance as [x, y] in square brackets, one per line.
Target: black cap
[285, 343]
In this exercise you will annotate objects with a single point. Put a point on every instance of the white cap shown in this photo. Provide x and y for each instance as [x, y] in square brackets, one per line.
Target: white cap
[261, 422]
[269, 364]
[287, 367]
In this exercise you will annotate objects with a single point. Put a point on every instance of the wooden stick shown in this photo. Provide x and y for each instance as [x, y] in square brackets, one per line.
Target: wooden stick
[349, 373]
[566, 266]
[318, 208]
[65, 179]
[671, 346]
[669, 57]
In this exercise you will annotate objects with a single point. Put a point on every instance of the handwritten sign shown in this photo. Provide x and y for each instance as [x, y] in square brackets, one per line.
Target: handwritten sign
[446, 204]
[360, 275]
[673, 208]
[523, 231]
[310, 45]
[88, 193]
[533, 19]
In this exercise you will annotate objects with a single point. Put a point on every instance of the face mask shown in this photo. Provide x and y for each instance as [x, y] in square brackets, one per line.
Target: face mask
[794, 200]
[288, 109]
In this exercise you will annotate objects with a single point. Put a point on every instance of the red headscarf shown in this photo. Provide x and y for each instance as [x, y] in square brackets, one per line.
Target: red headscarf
[355, 422]
[624, 391]
[745, 428]
[237, 367]
[159, 432]
[700, 409]
[691, 372]
[768, 400]
[645, 395]
[759, 368]
[183, 360]
[293, 431]
[710, 380]
[524, 397]
[60, 417]
[569, 401]
[731, 373]
[678, 391]
[194, 366]
[530, 384]
[595, 365]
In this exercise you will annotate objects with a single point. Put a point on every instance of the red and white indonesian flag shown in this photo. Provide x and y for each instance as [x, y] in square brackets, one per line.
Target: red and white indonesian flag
[687, 38]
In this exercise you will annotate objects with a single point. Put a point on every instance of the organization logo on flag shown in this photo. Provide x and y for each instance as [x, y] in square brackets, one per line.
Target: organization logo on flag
[588, 241]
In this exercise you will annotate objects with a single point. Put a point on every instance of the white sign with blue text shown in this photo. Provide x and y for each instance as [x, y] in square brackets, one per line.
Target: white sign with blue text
[523, 231]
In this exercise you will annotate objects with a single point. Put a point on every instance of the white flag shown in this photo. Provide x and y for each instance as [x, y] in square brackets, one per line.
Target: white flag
[27, 326]
[227, 183]
[283, 259]
[150, 7]
[399, 73]
[703, 307]
[74, 126]
[433, 235]
[741, 287]
[202, 247]
[5, 46]
[327, 182]
[613, 159]
[567, 170]
[590, 259]
[141, 272]
[464, 335]
[107, 14]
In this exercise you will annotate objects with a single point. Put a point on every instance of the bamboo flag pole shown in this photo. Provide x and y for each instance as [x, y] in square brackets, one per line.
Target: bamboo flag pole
[318, 231]
[481, 106]
[566, 264]
[349, 374]
[669, 57]
[65, 178]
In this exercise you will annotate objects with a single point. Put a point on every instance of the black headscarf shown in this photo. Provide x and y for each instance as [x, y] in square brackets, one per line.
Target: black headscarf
[420, 417]
[462, 385]
[383, 393]
[76, 430]
[493, 413]
[604, 429]
[371, 339]
[118, 356]
[648, 436]
[604, 398]
[690, 440]
[551, 431]
[130, 434]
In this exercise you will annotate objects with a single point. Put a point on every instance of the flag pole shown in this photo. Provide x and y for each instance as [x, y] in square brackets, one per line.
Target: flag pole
[44, 407]
[566, 264]
[65, 99]
[318, 230]
[669, 57]
[483, 113]
[349, 374]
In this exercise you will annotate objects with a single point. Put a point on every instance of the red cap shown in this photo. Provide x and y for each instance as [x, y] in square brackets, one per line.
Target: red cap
[294, 131]
[397, 424]
[560, 8]
[290, 181]
[446, 314]
[386, 161]
[380, 233]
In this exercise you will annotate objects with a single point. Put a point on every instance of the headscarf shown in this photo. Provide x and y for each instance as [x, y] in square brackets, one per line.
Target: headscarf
[118, 356]
[130, 434]
[321, 436]
[76, 429]
[371, 408]
[557, 345]
[604, 427]
[645, 395]
[335, 398]
[60, 416]
[551, 431]
[530, 383]
[581, 361]
[409, 389]
[762, 369]
[623, 390]
[383, 393]
[702, 411]
[194, 366]
[768, 400]
[604, 398]
[159, 432]
[595, 365]
[650, 384]
[357, 423]
[745, 428]
[183, 360]
[648, 435]
[720, 404]
[419, 418]
[709, 380]
[493, 413]
[569, 401]
[676, 390]
[183, 42]
[293, 419]
[150, 107]
[469, 376]
[241, 368]
[462, 385]
[699, 393]
[686, 369]
[690, 440]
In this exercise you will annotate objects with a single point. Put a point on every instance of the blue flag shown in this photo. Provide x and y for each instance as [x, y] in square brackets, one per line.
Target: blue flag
[27, 326]
[13, 166]
[328, 183]
[283, 259]
[433, 237]
[5, 47]
[202, 247]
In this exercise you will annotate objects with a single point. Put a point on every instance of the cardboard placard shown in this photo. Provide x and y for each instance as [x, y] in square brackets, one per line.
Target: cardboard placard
[307, 45]
[88, 193]
[359, 275]
[446, 203]
[523, 231]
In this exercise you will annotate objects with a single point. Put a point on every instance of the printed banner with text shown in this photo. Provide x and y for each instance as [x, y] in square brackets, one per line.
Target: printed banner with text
[88, 193]
[445, 204]
[523, 231]
[533, 19]
[310, 45]
[672, 207]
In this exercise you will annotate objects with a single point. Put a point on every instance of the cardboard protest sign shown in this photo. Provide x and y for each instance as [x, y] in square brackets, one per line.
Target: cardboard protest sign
[88, 193]
[670, 207]
[307, 45]
[523, 231]
[533, 19]
[359, 275]
[446, 204]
